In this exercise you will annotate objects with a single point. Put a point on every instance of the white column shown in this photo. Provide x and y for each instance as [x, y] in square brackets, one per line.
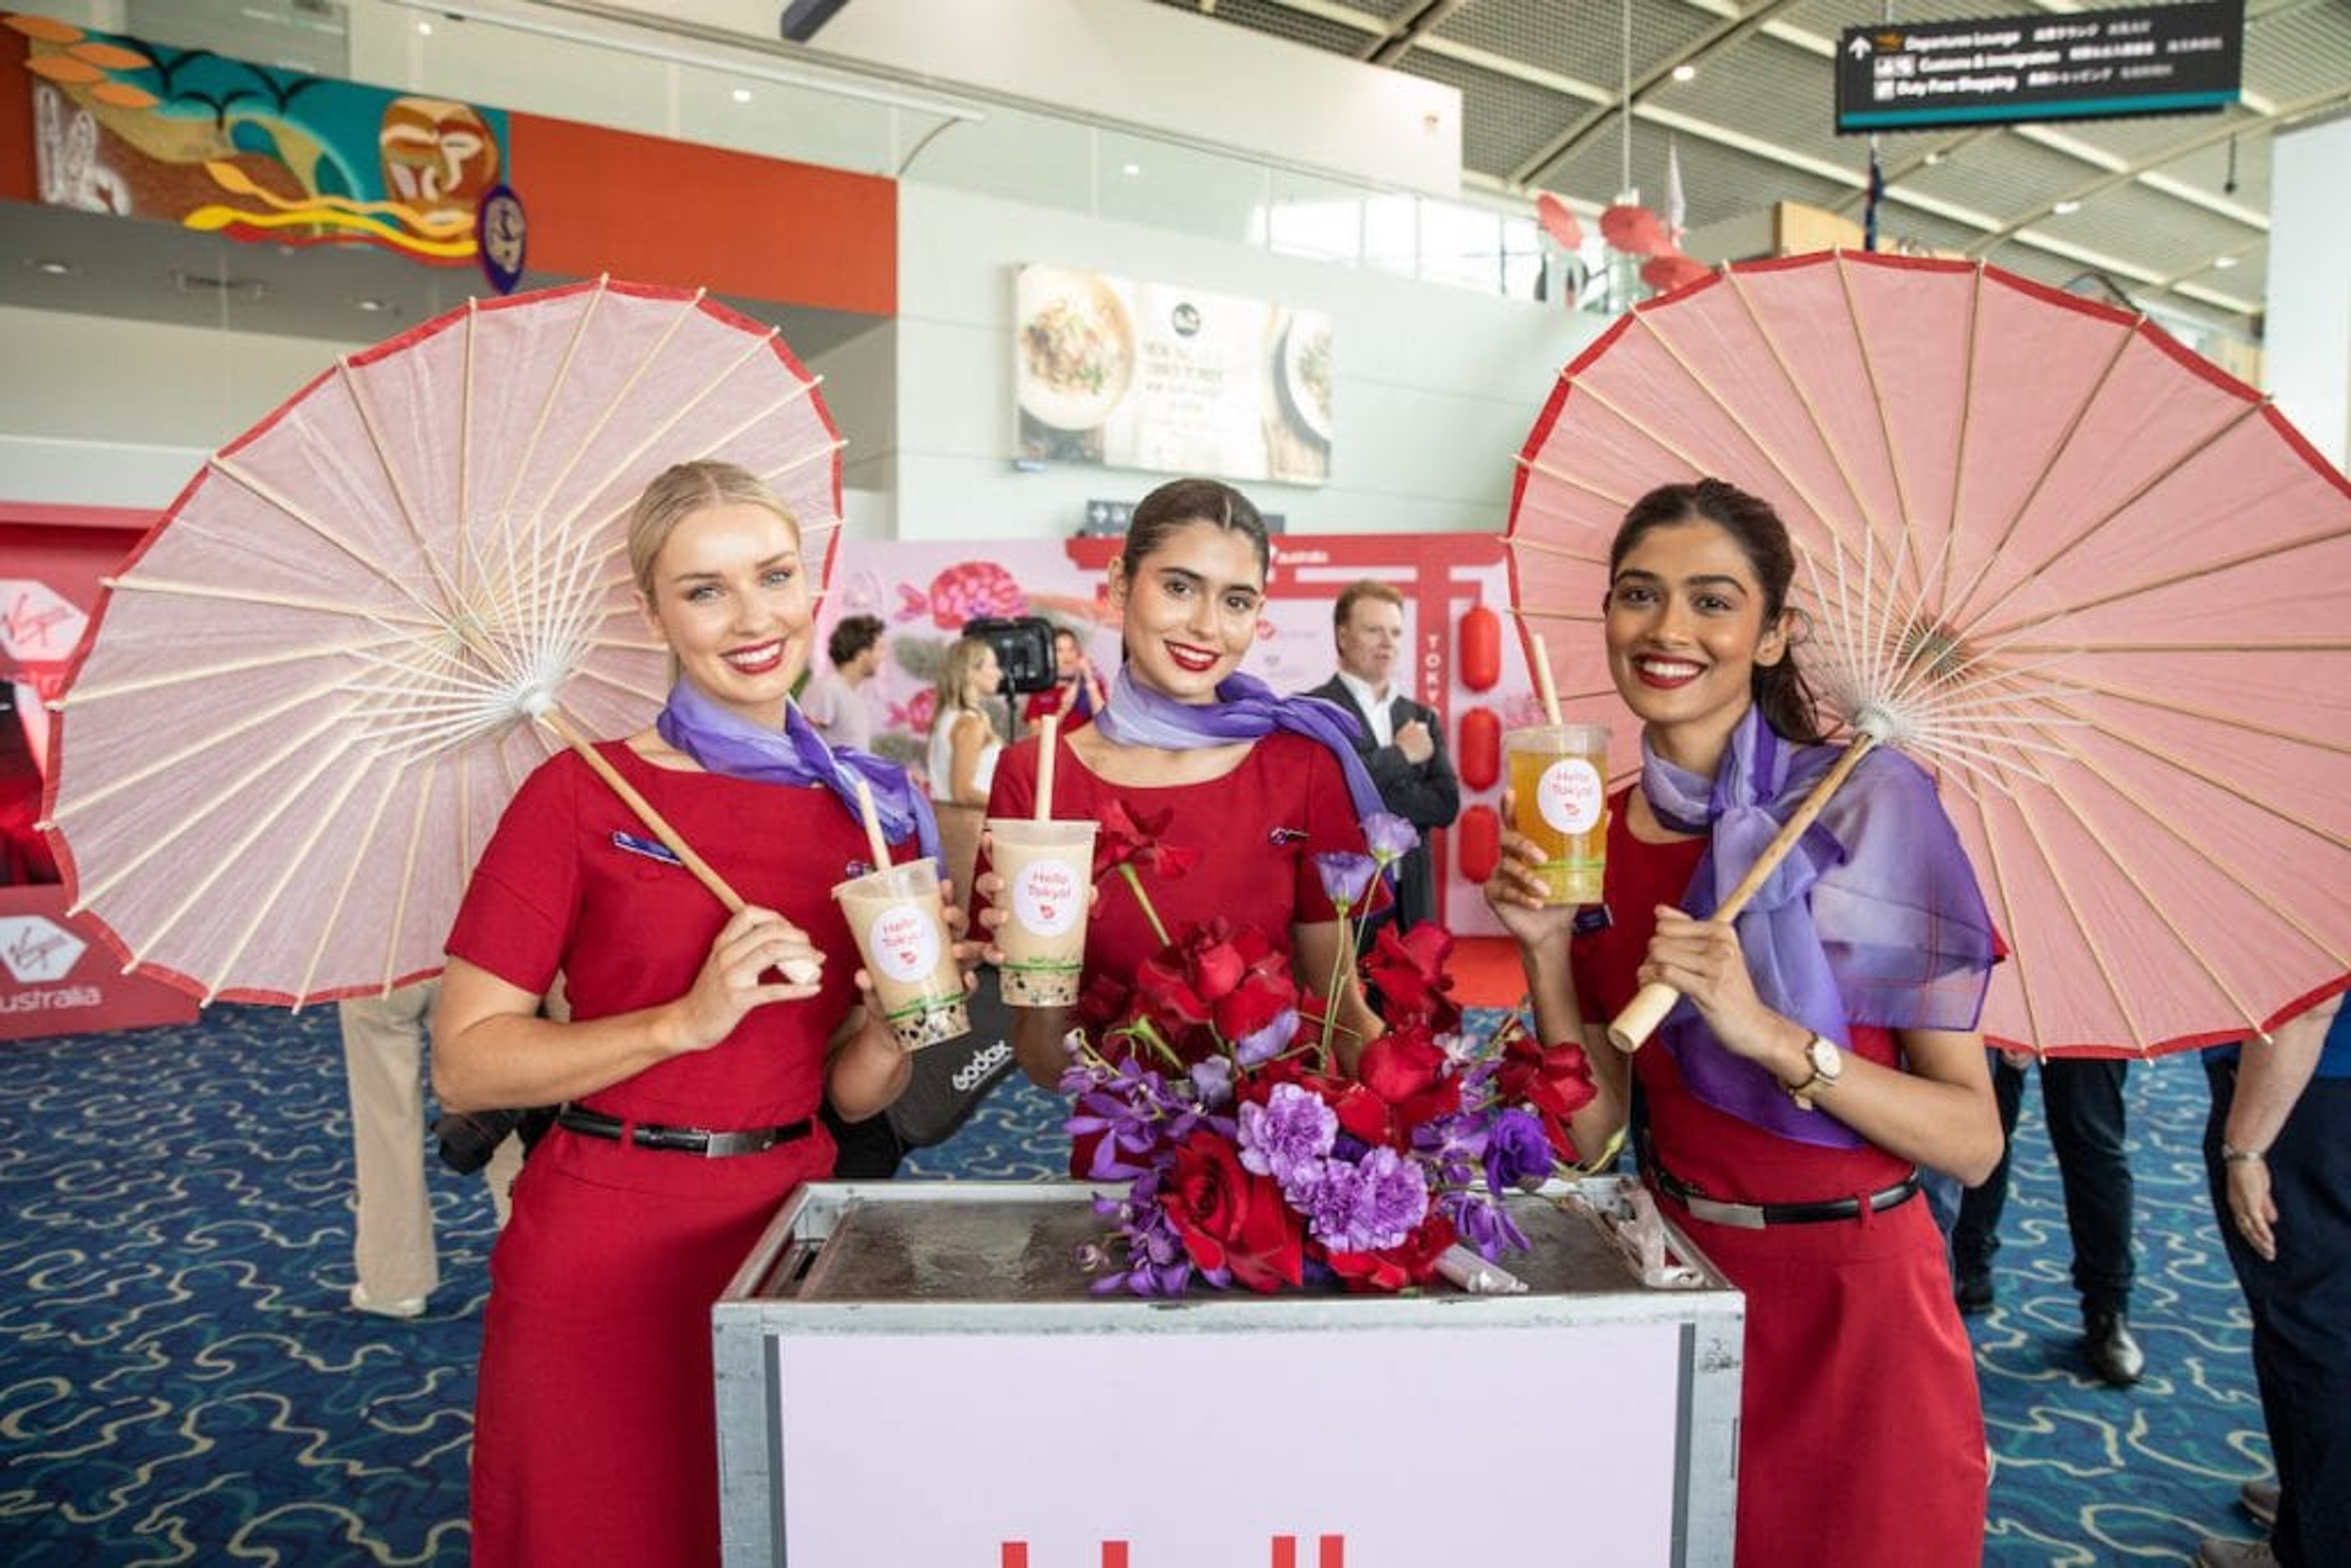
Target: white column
[2307, 340]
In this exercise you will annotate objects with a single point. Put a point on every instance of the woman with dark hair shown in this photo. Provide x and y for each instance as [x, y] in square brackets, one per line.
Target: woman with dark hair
[1260, 784]
[1826, 1048]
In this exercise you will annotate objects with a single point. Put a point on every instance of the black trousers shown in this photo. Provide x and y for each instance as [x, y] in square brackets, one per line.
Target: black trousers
[2082, 1100]
[2302, 1311]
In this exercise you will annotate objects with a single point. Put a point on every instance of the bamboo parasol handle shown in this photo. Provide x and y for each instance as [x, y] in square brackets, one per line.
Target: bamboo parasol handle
[557, 720]
[1641, 1016]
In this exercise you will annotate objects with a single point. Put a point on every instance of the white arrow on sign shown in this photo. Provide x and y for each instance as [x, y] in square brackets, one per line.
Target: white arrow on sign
[1859, 48]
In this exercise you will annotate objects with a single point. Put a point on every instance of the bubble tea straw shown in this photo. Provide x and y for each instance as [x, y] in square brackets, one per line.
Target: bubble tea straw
[874, 842]
[1049, 734]
[1544, 688]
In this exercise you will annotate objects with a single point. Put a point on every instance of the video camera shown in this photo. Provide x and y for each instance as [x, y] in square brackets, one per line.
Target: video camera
[1024, 647]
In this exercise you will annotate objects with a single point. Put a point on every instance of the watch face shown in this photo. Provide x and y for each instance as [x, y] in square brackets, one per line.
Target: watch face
[1827, 1061]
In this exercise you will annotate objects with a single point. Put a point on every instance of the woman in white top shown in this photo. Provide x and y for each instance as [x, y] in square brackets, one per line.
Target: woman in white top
[964, 741]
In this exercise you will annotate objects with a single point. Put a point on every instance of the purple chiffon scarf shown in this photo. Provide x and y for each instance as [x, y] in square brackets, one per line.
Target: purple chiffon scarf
[1875, 916]
[1245, 709]
[726, 743]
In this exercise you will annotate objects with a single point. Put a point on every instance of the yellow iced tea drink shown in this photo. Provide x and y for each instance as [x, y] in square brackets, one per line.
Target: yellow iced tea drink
[1558, 786]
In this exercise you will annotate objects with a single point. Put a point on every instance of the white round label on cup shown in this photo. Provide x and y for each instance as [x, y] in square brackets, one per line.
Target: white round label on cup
[1571, 795]
[904, 943]
[1047, 897]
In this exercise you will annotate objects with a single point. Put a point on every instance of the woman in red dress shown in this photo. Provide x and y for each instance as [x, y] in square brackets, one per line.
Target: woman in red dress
[1257, 785]
[1826, 1048]
[698, 1048]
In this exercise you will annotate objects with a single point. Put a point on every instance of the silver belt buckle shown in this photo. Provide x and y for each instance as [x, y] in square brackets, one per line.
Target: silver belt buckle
[1740, 1216]
[755, 1141]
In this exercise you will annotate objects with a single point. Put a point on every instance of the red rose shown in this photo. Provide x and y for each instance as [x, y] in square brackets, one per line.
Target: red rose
[1235, 979]
[1412, 1262]
[1409, 972]
[1552, 1080]
[1126, 836]
[1407, 1072]
[1229, 1219]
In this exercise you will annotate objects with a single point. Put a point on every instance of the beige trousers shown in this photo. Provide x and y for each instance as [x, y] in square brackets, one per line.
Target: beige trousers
[384, 1062]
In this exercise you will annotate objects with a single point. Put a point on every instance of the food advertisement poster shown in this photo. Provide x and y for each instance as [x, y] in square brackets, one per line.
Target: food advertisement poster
[1126, 374]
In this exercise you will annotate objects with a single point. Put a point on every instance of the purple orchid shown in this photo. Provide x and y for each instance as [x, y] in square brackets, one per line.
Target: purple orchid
[1518, 1153]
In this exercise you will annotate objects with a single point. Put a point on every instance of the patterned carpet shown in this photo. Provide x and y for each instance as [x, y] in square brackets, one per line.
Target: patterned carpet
[182, 1382]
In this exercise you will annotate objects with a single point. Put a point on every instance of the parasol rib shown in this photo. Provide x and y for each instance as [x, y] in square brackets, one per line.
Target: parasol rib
[2009, 922]
[2116, 645]
[262, 490]
[2172, 759]
[1561, 476]
[2173, 580]
[171, 833]
[1539, 612]
[255, 596]
[1640, 427]
[2029, 573]
[2088, 932]
[464, 517]
[267, 905]
[2230, 872]
[687, 310]
[1888, 444]
[2212, 716]
[1966, 427]
[262, 823]
[547, 403]
[1812, 410]
[629, 687]
[1561, 552]
[2124, 869]
[356, 854]
[393, 928]
[255, 718]
[1957, 607]
[82, 695]
[1647, 321]
[363, 401]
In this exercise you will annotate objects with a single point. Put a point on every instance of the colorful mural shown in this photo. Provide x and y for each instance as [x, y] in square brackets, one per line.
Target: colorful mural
[195, 138]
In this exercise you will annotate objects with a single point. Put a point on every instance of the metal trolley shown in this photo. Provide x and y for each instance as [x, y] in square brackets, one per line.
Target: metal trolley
[915, 1373]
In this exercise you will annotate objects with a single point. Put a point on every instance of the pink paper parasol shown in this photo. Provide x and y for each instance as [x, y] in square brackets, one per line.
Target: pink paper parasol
[2093, 582]
[1635, 231]
[304, 703]
[1667, 273]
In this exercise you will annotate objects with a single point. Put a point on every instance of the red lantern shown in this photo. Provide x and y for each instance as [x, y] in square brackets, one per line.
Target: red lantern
[1477, 750]
[1481, 648]
[1479, 836]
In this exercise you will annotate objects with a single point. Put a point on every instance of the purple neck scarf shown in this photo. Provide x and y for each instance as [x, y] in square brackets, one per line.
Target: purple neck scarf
[1873, 917]
[726, 743]
[1246, 708]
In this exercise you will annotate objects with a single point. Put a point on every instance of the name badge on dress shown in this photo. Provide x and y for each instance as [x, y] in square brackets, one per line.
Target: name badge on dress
[652, 848]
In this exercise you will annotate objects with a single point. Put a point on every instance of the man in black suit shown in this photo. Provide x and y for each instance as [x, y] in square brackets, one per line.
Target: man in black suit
[1402, 742]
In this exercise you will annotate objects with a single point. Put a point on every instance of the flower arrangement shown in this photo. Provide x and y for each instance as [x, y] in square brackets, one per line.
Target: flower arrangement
[1251, 1156]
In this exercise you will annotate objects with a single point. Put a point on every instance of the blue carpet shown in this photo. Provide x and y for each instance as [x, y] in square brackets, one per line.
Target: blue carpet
[181, 1380]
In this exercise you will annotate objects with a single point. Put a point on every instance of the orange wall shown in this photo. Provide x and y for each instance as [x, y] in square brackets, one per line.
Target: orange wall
[642, 208]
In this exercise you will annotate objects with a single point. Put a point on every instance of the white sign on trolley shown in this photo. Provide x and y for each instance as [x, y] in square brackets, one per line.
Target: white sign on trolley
[915, 1373]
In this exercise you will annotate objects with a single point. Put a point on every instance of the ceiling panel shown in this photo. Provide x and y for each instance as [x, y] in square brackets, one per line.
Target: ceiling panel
[1503, 120]
[2301, 52]
[1298, 27]
[2004, 176]
[1579, 38]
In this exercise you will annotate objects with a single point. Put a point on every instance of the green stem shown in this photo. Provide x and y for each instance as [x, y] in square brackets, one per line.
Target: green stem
[1127, 870]
[1330, 991]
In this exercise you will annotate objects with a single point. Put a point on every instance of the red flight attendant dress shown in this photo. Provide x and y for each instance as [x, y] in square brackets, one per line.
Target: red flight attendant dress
[1861, 1433]
[1256, 830]
[594, 1433]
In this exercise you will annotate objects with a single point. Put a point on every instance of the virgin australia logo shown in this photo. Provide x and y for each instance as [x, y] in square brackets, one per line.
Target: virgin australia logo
[37, 951]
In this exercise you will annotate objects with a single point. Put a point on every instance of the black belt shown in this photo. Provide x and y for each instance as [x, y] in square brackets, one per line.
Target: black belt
[1756, 1216]
[681, 1140]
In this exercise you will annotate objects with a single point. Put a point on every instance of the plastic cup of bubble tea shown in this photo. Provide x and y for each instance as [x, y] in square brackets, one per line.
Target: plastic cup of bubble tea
[901, 933]
[1047, 869]
[1558, 783]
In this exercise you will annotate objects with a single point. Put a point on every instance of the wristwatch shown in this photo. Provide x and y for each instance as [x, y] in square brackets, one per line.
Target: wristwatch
[1827, 1063]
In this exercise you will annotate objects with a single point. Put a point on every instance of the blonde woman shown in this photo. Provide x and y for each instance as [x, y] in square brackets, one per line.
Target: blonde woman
[691, 1069]
[964, 741]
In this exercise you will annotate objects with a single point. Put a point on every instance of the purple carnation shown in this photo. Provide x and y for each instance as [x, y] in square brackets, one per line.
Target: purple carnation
[1345, 876]
[1390, 836]
[1369, 1205]
[1287, 1136]
[1517, 1152]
